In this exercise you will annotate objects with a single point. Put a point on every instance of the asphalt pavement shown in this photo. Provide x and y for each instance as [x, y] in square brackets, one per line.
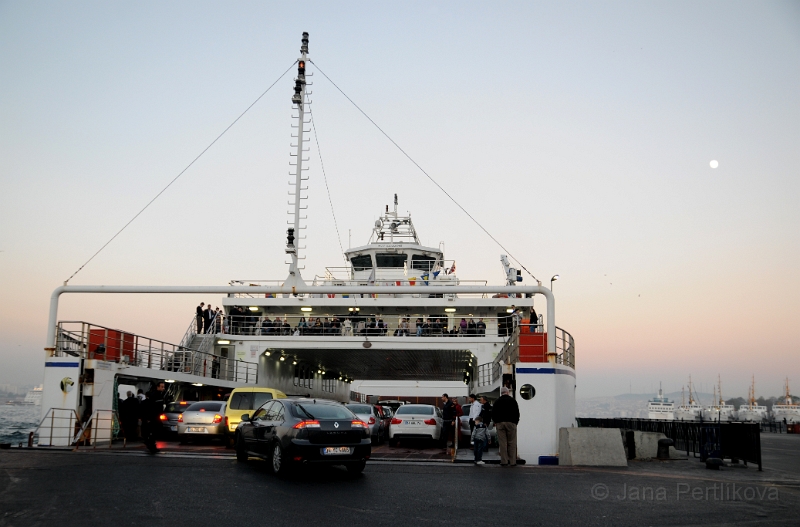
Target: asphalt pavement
[176, 488]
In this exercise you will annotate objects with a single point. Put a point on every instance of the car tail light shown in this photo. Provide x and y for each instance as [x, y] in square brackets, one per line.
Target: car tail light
[217, 419]
[180, 418]
[396, 421]
[430, 421]
[372, 420]
[307, 424]
[183, 402]
[163, 417]
[358, 424]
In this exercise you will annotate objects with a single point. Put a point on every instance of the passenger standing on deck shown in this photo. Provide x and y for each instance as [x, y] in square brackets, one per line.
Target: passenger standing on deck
[474, 411]
[505, 414]
[448, 416]
[534, 321]
[207, 319]
[200, 317]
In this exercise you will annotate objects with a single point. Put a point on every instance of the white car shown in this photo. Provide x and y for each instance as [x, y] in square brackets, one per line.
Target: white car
[416, 421]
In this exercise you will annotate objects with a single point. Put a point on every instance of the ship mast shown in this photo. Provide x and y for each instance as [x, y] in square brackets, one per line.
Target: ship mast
[293, 236]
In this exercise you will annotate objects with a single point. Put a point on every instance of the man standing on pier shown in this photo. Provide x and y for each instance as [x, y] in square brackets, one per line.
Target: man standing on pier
[505, 414]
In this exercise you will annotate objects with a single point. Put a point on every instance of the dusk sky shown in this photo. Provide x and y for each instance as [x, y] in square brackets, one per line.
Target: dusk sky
[580, 134]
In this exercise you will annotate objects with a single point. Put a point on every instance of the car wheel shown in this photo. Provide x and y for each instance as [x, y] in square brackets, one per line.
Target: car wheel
[241, 450]
[279, 461]
[356, 468]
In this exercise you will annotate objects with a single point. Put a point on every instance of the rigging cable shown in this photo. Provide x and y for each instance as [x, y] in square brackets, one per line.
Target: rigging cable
[325, 177]
[424, 172]
[181, 173]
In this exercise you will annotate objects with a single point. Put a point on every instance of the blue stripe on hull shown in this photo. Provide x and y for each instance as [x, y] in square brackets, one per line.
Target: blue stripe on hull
[546, 370]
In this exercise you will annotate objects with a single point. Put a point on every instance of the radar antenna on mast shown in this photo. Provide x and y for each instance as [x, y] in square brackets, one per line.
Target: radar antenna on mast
[293, 233]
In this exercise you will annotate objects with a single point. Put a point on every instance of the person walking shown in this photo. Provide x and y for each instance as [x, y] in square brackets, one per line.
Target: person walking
[200, 317]
[448, 416]
[129, 415]
[479, 438]
[505, 414]
[152, 409]
[475, 409]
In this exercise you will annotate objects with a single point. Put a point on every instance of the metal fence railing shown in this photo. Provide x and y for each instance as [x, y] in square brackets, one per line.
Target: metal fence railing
[90, 341]
[739, 441]
[356, 324]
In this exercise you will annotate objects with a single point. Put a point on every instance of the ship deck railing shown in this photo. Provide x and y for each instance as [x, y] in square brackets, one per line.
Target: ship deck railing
[366, 324]
[418, 281]
[91, 341]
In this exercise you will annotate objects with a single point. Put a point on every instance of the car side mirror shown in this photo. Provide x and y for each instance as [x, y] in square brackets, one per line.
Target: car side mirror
[245, 418]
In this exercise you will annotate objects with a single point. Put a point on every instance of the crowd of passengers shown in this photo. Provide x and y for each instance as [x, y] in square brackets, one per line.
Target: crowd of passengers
[240, 322]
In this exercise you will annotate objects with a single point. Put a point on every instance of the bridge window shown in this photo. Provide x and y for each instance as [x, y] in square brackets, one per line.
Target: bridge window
[361, 263]
[391, 260]
[422, 263]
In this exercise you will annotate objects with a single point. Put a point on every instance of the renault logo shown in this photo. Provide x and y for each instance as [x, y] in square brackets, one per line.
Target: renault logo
[336, 425]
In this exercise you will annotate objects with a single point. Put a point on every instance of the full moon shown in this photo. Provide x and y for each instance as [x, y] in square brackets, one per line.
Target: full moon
[714, 163]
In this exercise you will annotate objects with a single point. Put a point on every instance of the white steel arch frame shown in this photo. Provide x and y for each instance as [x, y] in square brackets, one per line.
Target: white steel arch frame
[300, 290]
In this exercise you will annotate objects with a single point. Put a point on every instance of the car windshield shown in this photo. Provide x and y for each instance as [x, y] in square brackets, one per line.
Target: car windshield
[407, 409]
[207, 406]
[360, 408]
[322, 411]
[177, 408]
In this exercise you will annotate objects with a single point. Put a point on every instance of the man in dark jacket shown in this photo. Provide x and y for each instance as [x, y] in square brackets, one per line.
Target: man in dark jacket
[505, 414]
[152, 408]
[200, 317]
[448, 416]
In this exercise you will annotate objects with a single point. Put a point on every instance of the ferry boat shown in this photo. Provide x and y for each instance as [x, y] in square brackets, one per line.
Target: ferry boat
[661, 407]
[34, 396]
[397, 311]
[788, 410]
[718, 410]
[752, 411]
[689, 412]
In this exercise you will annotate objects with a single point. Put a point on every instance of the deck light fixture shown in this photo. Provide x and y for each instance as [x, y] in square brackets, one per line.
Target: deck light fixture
[169, 380]
[449, 310]
[223, 342]
[253, 308]
[306, 309]
[267, 353]
[294, 362]
[555, 277]
[197, 384]
[282, 358]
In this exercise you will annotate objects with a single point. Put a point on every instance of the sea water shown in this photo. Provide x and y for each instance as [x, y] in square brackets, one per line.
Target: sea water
[17, 421]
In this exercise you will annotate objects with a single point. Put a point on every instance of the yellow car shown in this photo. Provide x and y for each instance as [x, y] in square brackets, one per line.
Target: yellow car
[245, 401]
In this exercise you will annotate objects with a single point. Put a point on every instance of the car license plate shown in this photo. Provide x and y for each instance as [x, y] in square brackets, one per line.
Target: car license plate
[173, 428]
[198, 429]
[412, 422]
[336, 451]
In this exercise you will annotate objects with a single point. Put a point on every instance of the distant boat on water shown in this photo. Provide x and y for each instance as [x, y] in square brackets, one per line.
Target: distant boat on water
[34, 397]
[752, 411]
[691, 411]
[788, 410]
[661, 407]
[718, 410]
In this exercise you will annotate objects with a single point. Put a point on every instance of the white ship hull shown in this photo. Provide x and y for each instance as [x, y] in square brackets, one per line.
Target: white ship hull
[790, 413]
[719, 413]
[754, 413]
[688, 413]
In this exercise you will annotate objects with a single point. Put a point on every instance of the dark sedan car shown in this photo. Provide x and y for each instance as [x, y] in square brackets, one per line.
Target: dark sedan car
[286, 432]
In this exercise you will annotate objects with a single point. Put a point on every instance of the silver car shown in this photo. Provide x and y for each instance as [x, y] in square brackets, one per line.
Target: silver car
[370, 415]
[205, 419]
